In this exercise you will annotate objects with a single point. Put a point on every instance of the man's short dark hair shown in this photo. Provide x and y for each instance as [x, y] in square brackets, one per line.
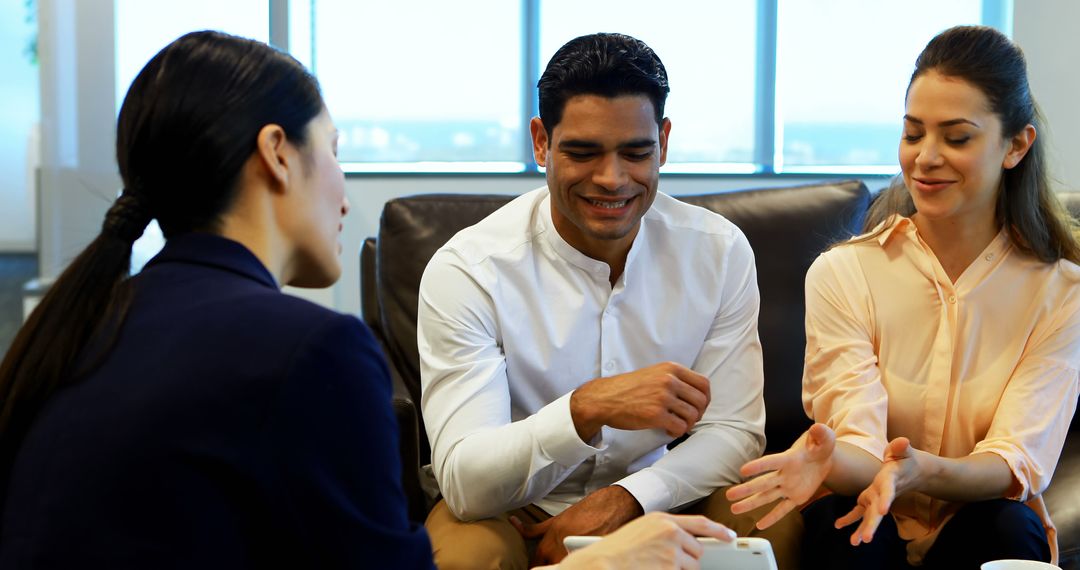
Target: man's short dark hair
[608, 65]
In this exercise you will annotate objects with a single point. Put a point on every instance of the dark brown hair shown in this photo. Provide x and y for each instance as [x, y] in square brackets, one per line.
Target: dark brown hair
[608, 65]
[1026, 205]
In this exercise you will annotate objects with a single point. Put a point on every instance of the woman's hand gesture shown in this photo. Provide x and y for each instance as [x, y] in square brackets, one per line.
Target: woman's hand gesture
[899, 474]
[792, 476]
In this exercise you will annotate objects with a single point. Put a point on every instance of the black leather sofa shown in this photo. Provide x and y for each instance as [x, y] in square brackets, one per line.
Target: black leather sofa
[787, 228]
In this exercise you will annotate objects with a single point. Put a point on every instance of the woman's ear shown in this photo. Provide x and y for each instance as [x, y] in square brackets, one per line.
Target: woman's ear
[272, 149]
[1019, 145]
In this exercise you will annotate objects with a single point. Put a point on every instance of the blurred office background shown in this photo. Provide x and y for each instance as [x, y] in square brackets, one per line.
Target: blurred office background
[435, 96]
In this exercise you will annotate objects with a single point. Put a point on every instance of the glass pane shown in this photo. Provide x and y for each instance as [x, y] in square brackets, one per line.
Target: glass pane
[422, 80]
[19, 116]
[143, 28]
[842, 71]
[708, 49]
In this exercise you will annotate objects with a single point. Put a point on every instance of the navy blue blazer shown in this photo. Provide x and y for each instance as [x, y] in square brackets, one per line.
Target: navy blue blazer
[231, 426]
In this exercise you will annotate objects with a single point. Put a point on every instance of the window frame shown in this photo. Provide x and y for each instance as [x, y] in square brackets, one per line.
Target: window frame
[768, 131]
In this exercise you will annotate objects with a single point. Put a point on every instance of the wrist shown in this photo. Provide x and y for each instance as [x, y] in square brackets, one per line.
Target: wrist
[628, 507]
[584, 416]
[927, 467]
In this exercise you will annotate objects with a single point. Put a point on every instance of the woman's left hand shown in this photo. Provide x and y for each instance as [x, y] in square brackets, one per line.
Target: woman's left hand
[900, 473]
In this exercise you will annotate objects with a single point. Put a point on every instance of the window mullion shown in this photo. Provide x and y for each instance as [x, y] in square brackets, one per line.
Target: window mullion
[279, 24]
[530, 69]
[765, 119]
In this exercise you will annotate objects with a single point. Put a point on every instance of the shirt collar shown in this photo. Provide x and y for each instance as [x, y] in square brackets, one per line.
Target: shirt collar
[892, 225]
[902, 225]
[571, 254]
[212, 250]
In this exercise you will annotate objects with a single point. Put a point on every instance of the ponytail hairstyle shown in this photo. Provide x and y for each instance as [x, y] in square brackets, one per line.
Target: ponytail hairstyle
[187, 126]
[1027, 208]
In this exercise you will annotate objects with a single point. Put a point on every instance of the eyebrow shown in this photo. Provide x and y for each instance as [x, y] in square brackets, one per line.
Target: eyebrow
[949, 123]
[587, 144]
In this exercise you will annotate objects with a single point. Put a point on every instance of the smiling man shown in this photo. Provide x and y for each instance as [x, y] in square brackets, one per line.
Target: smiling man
[572, 335]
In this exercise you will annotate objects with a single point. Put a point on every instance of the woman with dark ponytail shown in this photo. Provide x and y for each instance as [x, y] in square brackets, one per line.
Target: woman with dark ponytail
[193, 416]
[943, 344]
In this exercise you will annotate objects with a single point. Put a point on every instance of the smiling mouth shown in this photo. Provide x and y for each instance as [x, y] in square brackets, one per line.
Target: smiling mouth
[609, 205]
[929, 184]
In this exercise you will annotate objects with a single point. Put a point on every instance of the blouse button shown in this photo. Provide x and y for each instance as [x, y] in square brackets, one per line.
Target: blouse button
[952, 298]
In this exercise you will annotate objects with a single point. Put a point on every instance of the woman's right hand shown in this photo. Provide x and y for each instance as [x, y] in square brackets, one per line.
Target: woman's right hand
[655, 540]
[792, 476]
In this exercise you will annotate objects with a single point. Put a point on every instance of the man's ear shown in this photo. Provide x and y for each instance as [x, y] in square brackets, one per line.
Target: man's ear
[540, 141]
[272, 148]
[665, 131]
[1019, 146]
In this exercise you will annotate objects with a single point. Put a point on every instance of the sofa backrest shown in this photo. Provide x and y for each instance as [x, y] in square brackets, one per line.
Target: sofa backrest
[1071, 200]
[787, 228]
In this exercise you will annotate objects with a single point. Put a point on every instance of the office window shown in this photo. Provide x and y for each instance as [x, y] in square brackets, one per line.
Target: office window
[143, 28]
[757, 85]
[19, 116]
[432, 86]
[708, 49]
[423, 84]
[842, 68]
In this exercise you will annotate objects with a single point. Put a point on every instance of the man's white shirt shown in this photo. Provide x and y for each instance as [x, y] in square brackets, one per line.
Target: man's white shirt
[512, 319]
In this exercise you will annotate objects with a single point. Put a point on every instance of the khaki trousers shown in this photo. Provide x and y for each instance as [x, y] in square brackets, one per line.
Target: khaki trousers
[495, 544]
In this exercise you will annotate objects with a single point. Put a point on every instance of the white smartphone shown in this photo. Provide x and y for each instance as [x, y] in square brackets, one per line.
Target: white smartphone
[742, 553]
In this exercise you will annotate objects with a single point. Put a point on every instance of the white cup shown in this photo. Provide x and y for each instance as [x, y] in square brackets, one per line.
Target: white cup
[1018, 565]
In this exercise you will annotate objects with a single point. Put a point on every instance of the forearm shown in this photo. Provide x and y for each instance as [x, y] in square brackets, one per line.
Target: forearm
[853, 468]
[977, 477]
[707, 460]
[486, 470]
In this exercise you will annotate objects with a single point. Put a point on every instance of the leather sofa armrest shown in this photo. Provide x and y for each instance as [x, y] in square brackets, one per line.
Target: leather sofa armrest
[405, 412]
[1061, 501]
[418, 481]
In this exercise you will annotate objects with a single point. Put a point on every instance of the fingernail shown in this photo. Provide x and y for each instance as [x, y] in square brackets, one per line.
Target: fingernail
[730, 534]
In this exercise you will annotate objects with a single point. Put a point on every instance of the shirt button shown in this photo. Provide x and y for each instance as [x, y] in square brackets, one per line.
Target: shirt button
[609, 365]
[952, 298]
[989, 256]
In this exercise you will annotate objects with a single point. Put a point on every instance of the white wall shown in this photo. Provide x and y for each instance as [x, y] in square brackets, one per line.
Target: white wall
[1047, 32]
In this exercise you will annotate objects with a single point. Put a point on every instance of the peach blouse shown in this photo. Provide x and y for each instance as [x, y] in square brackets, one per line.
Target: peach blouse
[988, 364]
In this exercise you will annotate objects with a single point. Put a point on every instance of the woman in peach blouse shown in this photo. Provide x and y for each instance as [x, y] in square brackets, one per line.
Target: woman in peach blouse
[943, 344]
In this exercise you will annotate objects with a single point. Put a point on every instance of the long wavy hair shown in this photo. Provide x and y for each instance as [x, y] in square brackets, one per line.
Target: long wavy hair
[1027, 208]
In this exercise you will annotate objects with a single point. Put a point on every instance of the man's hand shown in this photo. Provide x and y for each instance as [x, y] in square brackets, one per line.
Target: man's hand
[899, 474]
[792, 476]
[665, 396]
[597, 514]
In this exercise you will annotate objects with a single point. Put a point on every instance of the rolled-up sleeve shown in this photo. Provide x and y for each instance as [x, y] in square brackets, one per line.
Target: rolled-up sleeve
[1027, 432]
[842, 385]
